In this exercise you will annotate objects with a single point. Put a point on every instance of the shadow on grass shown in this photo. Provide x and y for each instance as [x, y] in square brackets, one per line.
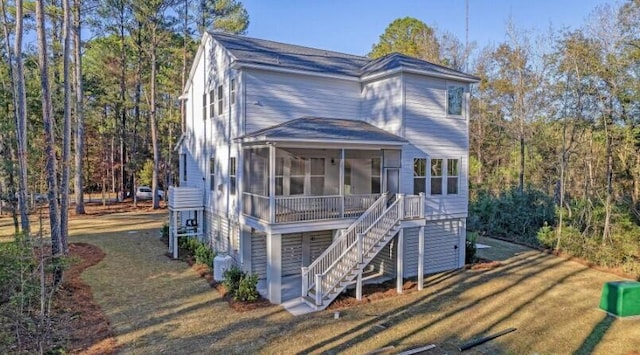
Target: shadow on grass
[346, 340]
[595, 337]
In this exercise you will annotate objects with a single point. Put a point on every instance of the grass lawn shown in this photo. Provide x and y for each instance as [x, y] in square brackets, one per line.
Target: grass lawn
[158, 305]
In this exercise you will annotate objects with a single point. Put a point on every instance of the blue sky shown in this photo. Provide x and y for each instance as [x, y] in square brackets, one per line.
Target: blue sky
[352, 26]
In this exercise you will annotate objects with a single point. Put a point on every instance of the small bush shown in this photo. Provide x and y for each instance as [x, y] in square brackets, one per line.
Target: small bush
[204, 255]
[247, 289]
[470, 248]
[165, 230]
[232, 278]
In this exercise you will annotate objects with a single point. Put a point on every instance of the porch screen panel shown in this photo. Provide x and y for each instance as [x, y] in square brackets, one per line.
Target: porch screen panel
[256, 171]
[317, 176]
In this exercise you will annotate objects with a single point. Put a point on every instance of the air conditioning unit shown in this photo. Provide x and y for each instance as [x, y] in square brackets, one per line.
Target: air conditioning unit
[221, 263]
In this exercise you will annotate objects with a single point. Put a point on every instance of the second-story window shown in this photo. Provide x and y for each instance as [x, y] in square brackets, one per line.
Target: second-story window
[455, 96]
[212, 100]
[233, 91]
[419, 175]
[204, 106]
[232, 175]
[436, 176]
[220, 101]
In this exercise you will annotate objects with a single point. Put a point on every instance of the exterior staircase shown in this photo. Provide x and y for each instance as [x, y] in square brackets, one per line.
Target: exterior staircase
[344, 260]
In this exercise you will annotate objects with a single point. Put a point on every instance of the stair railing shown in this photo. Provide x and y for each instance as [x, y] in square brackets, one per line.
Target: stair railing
[342, 242]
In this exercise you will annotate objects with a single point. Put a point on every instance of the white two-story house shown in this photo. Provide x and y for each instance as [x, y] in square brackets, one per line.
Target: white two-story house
[319, 170]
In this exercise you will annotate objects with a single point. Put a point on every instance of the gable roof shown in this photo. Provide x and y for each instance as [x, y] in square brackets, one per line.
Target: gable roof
[326, 130]
[248, 51]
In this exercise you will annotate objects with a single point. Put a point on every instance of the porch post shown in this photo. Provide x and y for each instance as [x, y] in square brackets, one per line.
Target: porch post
[422, 203]
[400, 261]
[359, 286]
[341, 182]
[421, 258]
[272, 183]
[274, 267]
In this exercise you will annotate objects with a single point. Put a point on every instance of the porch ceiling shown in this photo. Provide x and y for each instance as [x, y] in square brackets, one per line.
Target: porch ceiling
[324, 130]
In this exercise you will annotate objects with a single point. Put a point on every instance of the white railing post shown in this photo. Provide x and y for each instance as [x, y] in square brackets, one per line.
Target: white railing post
[421, 204]
[318, 289]
[305, 281]
[360, 247]
[400, 206]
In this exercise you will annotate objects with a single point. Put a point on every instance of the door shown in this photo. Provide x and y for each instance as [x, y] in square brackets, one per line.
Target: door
[392, 181]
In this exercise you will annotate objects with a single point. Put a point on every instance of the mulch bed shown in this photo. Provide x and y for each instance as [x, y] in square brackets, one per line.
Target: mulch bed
[85, 326]
[239, 306]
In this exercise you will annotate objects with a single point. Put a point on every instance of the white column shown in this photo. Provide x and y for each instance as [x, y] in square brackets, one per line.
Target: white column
[462, 248]
[341, 182]
[421, 258]
[400, 261]
[272, 184]
[359, 286]
[274, 267]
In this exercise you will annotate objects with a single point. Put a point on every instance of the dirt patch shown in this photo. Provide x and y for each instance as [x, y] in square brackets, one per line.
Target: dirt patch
[372, 292]
[86, 327]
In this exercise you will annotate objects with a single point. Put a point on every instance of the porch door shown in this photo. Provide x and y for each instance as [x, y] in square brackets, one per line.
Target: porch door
[392, 181]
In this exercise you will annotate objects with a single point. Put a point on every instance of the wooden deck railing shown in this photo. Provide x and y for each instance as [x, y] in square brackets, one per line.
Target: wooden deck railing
[306, 208]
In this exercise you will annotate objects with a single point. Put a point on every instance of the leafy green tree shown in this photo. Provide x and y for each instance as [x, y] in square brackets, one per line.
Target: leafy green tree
[408, 36]
[226, 15]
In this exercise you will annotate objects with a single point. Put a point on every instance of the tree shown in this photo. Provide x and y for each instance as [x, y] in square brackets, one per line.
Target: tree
[66, 139]
[79, 143]
[226, 15]
[408, 36]
[50, 154]
[20, 109]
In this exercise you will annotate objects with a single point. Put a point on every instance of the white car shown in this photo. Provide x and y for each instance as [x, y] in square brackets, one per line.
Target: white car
[145, 193]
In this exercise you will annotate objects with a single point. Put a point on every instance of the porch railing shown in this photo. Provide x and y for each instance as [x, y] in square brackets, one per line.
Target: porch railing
[306, 208]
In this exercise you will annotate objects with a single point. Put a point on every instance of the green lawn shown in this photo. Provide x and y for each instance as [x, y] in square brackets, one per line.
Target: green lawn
[158, 305]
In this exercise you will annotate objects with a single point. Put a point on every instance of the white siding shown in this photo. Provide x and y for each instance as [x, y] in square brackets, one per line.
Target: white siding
[273, 98]
[434, 135]
[382, 104]
[291, 254]
[259, 255]
[385, 261]
[410, 254]
[318, 242]
[441, 246]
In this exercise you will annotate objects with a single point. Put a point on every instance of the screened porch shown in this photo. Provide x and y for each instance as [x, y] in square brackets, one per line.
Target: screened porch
[292, 184]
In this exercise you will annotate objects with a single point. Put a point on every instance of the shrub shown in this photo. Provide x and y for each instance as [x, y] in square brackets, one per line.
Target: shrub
[247, 289]
[165, 230]
[512, 214]
[232, 278]
[204, 255]
[470, 248]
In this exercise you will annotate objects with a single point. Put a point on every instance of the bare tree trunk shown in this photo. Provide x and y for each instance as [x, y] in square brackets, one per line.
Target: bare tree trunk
[122, 107]
[66, 139]
[79, 173]
[20, 102]
[606, 231]
[50, 154]
[185, 35]
[152, 118]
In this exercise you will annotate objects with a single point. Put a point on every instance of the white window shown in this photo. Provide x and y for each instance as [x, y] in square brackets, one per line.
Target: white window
[453, 171]
[220, 101]
[212, 100]
[233, 91]
[419, 175]
[204, 106]
[317, 176]
[232, 176]
[455, 98]
[376, 185]
[436, 176]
